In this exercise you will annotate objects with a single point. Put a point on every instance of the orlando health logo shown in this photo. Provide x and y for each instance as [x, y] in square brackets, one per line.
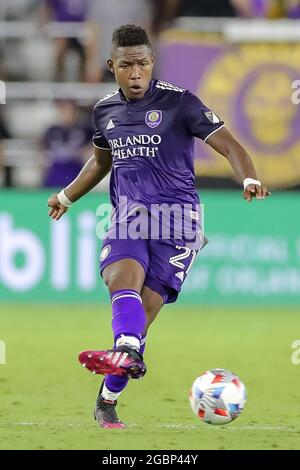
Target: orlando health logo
[143, 145]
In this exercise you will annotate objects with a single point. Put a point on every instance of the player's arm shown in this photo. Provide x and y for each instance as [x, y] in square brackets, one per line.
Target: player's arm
[224, 143]
[95, 169]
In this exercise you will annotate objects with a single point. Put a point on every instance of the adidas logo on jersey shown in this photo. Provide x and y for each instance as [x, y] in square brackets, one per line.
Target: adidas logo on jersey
[168, 86]
[110, 125]
[180, 275]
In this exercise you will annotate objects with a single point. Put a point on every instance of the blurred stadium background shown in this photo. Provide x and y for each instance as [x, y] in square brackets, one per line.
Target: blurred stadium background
[241, 57]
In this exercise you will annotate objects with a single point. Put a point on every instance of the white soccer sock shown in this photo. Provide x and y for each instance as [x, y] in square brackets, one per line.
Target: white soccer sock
[108, 395]
[130, 341]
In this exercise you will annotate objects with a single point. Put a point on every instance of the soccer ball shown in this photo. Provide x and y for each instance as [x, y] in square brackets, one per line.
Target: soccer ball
[218, 396]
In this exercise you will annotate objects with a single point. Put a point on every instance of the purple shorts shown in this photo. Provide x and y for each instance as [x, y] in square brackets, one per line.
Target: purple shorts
[166, 262]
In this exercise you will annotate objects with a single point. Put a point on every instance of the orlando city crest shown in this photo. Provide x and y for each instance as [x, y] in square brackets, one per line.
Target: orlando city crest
[153, 118]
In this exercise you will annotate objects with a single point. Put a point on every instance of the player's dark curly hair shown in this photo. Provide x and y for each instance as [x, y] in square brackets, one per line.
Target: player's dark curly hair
[130, 35]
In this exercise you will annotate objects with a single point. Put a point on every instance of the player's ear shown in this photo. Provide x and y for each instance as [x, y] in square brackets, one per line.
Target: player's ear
[110, 66]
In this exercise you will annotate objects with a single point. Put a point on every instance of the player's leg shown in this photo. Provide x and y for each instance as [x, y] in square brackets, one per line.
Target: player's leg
[123, 264]
[124, 274]
[152, 303]
[113, 385]
[124, 279]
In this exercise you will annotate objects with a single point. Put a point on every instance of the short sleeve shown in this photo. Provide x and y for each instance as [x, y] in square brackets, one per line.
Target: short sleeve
[199, 120]
[100, 141]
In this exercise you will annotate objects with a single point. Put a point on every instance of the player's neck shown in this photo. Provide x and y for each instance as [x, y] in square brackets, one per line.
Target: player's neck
[136, 98]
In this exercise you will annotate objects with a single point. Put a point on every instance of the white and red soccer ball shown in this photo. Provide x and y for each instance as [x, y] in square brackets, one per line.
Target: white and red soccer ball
[218, 396]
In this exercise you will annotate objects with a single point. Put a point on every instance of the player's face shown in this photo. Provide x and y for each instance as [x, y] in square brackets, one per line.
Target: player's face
[132, 67]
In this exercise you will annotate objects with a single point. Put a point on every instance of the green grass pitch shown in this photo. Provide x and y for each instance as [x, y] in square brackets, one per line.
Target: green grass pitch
[47, 399]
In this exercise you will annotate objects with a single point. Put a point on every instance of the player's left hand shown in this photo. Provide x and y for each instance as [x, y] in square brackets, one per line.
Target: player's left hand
[255, 191]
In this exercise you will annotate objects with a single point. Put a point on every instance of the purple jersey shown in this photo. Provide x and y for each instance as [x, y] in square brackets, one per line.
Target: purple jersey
[69, 10]
[152, 143]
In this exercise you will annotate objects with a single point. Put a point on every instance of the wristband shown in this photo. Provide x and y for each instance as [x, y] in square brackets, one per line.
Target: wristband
[63, 199]
[248, 181]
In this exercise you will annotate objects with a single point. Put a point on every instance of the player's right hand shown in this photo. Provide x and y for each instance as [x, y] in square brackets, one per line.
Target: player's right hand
[56, 208]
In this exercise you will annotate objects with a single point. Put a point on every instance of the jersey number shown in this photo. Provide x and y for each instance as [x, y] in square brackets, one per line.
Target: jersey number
[176, 260]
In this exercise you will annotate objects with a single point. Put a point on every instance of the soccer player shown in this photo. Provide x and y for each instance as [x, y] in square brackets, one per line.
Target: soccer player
[145, 136]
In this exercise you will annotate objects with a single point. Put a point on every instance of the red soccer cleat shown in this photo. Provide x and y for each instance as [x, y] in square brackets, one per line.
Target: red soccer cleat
[120, 361]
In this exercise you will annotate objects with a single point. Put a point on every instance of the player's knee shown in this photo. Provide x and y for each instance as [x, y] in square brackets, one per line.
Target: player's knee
[121, 280]
[124, 274]
[116, 282]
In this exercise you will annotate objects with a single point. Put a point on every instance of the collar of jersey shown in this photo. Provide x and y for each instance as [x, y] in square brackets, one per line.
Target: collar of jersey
[140, 101]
